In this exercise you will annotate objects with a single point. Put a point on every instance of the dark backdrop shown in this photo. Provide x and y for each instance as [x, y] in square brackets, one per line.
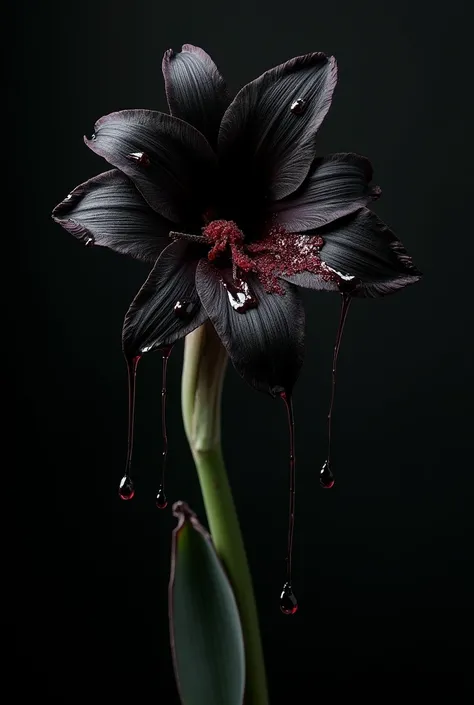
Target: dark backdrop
[383, 562]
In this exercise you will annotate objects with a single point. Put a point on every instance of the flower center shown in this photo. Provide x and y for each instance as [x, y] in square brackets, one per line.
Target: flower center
[226, 237]
[278, 253]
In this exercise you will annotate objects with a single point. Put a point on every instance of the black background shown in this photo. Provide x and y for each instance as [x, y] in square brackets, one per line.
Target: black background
[383, 562]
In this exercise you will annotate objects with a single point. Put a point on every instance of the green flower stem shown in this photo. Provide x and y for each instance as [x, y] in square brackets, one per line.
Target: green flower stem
[205, 362]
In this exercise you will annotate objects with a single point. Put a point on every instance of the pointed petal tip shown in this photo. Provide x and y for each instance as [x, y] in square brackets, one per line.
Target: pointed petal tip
[107, 210]
[184, 514]
[151, 321]
[363, 246]
[260, 126]
[195, 89]
[406, 260]
[56, 212]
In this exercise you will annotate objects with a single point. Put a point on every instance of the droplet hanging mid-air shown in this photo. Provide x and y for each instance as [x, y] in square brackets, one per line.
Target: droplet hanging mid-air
[288, 601]
[126, 488]
[287, 595]
[326, 477]
[161, 500]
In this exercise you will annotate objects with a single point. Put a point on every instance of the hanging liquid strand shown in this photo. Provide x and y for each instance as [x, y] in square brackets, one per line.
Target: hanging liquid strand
[161, 499]
[326, 477]
[126, 487]
[288, 602]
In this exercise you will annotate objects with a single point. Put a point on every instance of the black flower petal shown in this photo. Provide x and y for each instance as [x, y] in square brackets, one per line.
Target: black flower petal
[263, 138]
[169, 161]
[107, 210]
[362, 246]
[266, 343]
[195, 90]
[167, 307]
[336, 185]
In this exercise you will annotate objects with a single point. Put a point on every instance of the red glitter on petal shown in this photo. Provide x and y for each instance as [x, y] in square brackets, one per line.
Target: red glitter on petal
[282, 253]
[278, 253]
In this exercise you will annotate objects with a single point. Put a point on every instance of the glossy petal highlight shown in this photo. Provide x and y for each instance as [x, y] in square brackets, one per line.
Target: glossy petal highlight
[364, 247]
[266, 343]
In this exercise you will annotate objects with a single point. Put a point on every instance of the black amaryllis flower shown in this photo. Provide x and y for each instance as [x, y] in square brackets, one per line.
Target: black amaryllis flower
[232, 204]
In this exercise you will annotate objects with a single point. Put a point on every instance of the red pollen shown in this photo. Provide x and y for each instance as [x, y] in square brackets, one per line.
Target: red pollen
[280, 252]
[277, 253]
[226, 235]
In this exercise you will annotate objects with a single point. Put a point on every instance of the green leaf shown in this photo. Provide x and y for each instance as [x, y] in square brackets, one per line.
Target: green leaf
[206, 634]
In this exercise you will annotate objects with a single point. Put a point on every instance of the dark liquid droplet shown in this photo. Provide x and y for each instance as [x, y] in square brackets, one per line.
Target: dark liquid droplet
[241, 297]
[298, 106]
[126, 481]
[346, 300]
[326, 478]
[184, 309]
[288, 601]
[139, 157]
[126, 488]
[291, 508]
[161, 499]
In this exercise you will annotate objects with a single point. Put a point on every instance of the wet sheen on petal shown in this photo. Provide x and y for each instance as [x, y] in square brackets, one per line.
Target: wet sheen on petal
[265, 338]
[361, 246]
